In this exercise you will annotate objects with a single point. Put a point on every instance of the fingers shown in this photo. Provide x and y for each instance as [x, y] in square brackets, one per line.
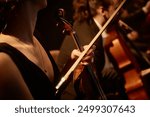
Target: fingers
[88, 58]
[91, 50]
[133, 35]
[84, 63]
[75, 54]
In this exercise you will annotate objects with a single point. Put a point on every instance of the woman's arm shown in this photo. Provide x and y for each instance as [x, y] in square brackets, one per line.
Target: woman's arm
[12, 85]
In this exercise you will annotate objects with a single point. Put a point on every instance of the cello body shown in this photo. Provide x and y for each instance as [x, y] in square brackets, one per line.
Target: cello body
[126, 64]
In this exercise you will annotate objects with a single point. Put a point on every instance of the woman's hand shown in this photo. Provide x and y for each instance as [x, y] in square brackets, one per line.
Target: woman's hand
[87, 59]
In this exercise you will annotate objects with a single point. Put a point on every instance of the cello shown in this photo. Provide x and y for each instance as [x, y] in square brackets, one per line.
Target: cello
[126, 64]
[65, 78]
[84, 74]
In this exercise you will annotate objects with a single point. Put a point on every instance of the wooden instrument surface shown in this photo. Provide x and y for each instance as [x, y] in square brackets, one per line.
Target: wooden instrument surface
[127, 66]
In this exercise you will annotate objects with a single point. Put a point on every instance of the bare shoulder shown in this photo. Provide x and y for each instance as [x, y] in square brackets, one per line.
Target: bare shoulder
[8, 69]
[12, 85]
[6, 64]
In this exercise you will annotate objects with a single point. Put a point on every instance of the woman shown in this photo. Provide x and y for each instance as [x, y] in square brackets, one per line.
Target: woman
[27, 70]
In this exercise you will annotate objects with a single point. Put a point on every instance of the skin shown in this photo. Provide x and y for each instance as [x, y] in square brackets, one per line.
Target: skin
[21, 37]
[19, 34]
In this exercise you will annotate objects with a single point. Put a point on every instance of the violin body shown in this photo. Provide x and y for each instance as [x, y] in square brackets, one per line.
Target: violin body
[126, 64]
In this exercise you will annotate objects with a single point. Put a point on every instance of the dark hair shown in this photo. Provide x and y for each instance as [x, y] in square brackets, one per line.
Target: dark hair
[6, 7]
[85, 9]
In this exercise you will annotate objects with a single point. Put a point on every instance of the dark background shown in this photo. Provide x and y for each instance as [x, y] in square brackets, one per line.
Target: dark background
[49, 33]
[46, 28]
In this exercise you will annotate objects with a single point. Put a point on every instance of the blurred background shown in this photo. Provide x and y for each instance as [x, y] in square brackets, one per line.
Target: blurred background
[46, 28]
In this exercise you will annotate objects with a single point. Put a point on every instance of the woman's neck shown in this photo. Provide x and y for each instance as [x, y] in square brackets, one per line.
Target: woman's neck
[22, 24]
